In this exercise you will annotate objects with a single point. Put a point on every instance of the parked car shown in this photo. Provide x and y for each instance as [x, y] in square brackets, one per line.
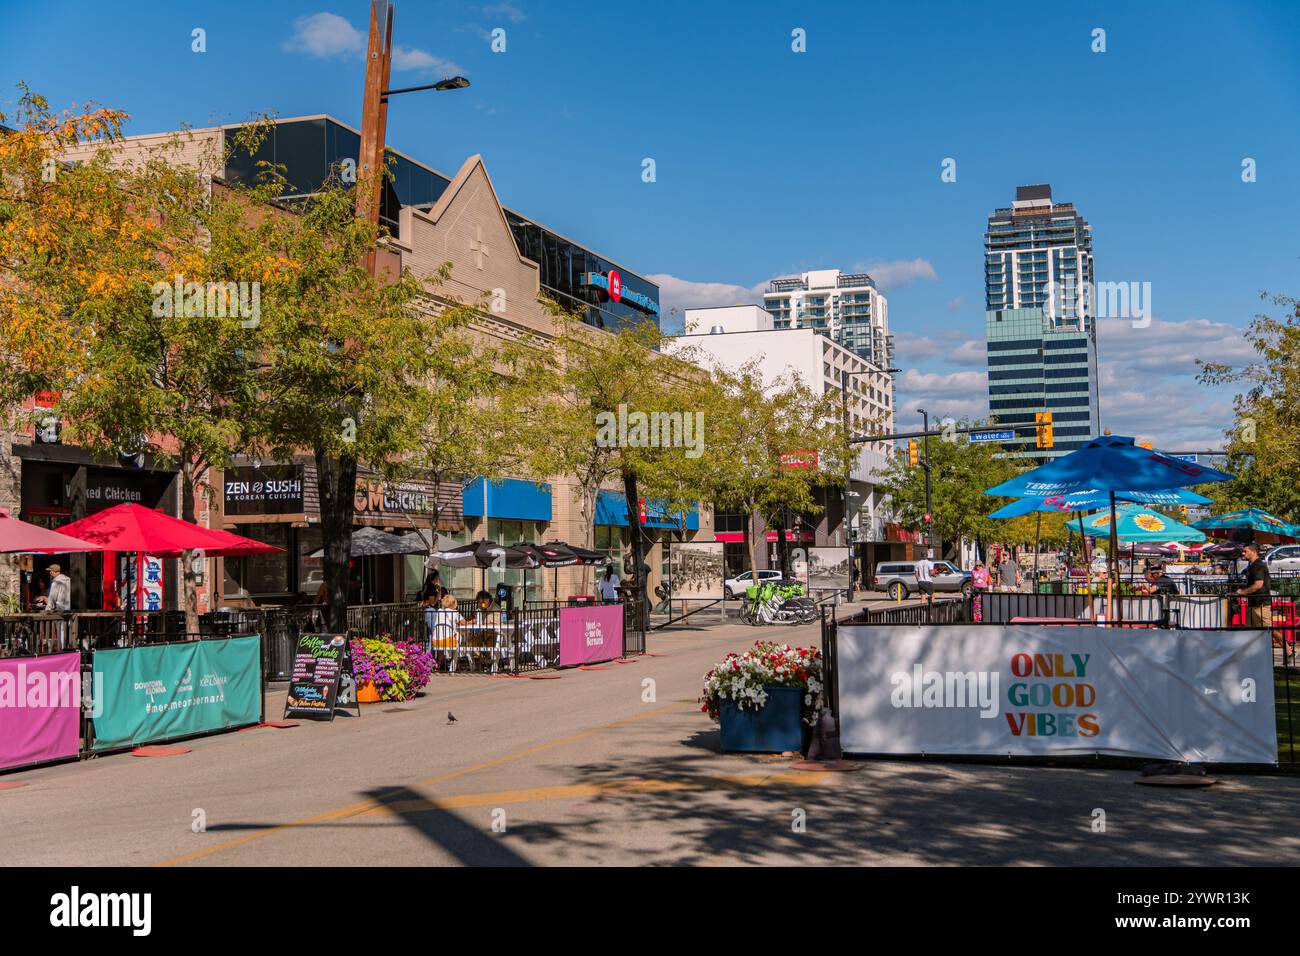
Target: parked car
[1284, 558]
[737, 586]
[898, 578]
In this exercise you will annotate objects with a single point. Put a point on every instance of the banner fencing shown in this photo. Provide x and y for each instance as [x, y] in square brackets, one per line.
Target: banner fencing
[1199, 696]
[40, 709]
[174, 690]
[590, 634]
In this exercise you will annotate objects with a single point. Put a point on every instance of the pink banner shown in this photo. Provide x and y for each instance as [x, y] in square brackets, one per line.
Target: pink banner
[40, 708]
[590, 634]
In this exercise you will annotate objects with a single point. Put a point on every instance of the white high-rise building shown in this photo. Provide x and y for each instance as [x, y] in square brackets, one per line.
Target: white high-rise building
[846, 308]
[733, 335]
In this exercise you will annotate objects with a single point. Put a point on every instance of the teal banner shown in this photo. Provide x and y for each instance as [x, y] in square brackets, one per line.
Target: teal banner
[174, 690]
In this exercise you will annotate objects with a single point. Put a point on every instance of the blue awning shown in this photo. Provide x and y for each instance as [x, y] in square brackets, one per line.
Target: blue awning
[508, 498]
[611, 509]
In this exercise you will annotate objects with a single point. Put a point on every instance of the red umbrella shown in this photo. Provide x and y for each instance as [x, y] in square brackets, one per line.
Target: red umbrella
[231, 544]
[140, 529]
[19, 536]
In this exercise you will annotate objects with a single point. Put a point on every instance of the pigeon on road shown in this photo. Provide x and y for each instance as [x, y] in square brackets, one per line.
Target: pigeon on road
[451, 718]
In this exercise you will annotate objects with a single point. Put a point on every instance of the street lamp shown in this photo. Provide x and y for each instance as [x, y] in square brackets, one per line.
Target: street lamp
[846, 377]
[929, 510]
[450, 83]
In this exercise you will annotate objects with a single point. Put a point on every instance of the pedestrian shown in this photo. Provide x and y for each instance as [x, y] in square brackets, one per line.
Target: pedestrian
[925, 578]
[608, 584]
[1258, 589]
[431, 594]
[1009, 575]
[60, 597]
[980, 578]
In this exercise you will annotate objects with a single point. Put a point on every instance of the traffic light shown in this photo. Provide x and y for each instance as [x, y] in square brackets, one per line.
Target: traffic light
[1043, 421]
[1182, 510]
[913, 452]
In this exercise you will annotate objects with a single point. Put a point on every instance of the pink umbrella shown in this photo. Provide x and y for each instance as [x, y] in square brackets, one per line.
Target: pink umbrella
[20, 537]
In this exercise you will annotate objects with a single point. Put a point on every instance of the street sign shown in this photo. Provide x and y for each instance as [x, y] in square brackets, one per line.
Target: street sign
[1192, 458]
[1007, 435]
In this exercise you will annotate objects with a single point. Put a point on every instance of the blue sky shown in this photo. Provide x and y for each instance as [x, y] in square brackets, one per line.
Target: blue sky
[770, 162]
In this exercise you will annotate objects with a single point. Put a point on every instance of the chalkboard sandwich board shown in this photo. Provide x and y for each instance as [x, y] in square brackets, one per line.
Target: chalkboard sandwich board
[322, 678]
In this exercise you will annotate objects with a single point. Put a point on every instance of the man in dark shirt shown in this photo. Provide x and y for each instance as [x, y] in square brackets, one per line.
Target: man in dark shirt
[1164, 583]
[1258, 588]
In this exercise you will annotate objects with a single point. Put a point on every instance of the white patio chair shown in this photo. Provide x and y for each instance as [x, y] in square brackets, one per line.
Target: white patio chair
[445, 640]
[503, 646]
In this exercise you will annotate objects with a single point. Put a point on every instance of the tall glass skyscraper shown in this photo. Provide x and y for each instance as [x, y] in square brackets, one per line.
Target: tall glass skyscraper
[1041, 321]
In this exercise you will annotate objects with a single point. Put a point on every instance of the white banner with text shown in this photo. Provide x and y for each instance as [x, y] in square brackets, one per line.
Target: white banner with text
[1199, 696]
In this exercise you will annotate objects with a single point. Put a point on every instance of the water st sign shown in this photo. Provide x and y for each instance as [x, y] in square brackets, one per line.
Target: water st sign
[1006, 435]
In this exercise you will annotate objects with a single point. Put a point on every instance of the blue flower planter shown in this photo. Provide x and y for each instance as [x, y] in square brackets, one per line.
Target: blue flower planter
[774, 728]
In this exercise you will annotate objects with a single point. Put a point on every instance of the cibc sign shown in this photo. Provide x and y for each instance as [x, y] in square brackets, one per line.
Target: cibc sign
[611, 284]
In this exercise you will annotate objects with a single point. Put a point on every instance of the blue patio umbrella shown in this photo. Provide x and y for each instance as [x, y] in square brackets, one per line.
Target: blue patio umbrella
[1134, 523]
[1108, 463]
[1111, 464]
[1249, 519]
[1091, 499]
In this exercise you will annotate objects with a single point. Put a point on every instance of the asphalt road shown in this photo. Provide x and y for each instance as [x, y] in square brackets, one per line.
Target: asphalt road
[596, 767]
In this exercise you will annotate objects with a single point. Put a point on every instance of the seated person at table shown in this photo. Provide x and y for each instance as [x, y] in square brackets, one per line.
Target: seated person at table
[444, 622]
[482, 605]
[1164, 583]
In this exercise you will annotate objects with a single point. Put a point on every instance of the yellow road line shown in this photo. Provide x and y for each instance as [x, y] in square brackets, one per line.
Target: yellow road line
[501, 798]
[355, 809]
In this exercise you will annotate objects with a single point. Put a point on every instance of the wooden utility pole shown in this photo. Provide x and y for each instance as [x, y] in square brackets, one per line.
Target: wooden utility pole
[374, 112]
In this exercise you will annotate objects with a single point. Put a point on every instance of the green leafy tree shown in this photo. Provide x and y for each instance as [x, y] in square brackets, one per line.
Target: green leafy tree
[763, 440]
[467, 423]
[345, 356]
[145, 299]
[598, 393]
[1262, 450]
[960, 471]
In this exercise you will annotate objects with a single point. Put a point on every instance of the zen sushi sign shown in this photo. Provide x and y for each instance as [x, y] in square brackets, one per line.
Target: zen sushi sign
[1186, 695]
[270, 489]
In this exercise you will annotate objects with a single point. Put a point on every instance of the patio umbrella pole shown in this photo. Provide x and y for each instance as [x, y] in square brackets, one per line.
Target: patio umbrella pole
[1112, 581]
[1038, 532]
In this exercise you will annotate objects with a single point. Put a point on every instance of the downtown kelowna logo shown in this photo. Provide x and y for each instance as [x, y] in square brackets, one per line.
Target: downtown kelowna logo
[1050, 696]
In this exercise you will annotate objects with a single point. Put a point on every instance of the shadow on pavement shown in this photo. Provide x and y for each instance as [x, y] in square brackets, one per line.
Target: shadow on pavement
[736, 810]
[469, 844]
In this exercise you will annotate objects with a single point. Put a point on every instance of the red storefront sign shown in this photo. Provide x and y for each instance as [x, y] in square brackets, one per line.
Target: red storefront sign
[801, 536]
[799, 459]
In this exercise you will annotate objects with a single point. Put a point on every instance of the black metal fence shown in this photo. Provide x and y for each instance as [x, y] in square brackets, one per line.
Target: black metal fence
[1186, 612]
[516, 641]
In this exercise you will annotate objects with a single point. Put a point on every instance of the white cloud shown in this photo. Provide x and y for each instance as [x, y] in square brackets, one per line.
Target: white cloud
[970, 352]
[326, 35]
[330, 36]
[900, 272]
[955, 304]
[1166, 346]
[507, 10]
[682, 294]
[943, 395]
[910, 348]
[405, 58]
